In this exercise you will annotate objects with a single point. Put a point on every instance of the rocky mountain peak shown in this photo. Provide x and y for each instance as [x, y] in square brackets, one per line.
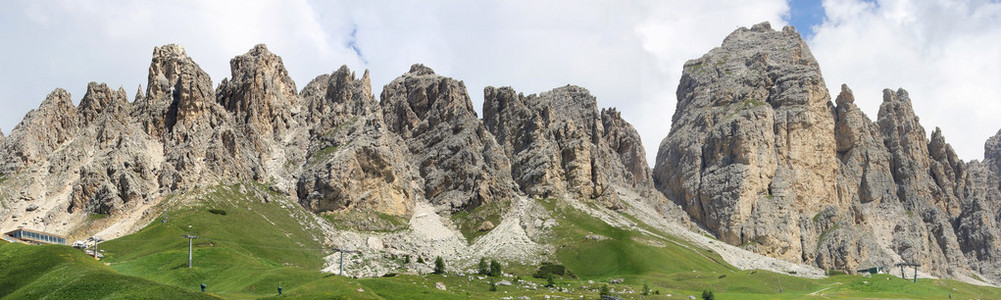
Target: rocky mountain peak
[845, 96]
[751, 147]
[57, 100]
[900, 95]
[420, 100]
[992, 151]
[460, 161]
[169, 63]
[938, 148]
[333, 99]
[625, 141]
[751, 154]
[354, 161]
[99, 98]
[344, 80]
[41, 131]
[903, 134]
[260, 94]
[784, 47]
[177, 91]
[139, 94]
[762, 27]
[559, 143]
[420, 69]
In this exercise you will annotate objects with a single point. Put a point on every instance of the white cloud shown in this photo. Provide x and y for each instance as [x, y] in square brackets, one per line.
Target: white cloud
[945, 53]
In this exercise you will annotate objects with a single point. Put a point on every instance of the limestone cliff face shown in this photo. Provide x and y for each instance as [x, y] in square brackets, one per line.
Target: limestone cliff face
[353, 160]
[41, 131]
[117, 171]
[625, 141]
[559, 144]
[857, 236]
[750, 153]
[262, 100]
[99, 160]
[260, 95]
[911, 163]
[200, 138]
[759, 155]
[461, 163]
[992, 152]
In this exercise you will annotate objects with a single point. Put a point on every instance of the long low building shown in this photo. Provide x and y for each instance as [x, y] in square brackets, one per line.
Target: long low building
[35, 237]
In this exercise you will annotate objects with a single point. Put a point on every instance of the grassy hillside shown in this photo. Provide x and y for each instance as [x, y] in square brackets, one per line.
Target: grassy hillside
[61, 272]
[248, 247]
[245, 245]
[621, 252]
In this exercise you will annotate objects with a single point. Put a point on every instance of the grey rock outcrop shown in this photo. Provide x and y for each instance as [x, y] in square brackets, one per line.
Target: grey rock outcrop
[992, 153]
[260, 95]
[120, 170]
[625, 141]
[865, 175]
[911, 163]
[94, 154]
[750, 152]
[560, 144]
[462, 165]
[353, 160]
[757, 148]
[978, 226]
[41, 131]
[261, 98]
[201, 143]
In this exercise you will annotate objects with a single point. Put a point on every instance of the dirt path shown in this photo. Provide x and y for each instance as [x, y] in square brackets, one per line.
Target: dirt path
[824, 289]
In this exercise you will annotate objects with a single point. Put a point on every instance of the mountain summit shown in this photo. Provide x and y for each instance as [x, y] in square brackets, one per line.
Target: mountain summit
[760, 155]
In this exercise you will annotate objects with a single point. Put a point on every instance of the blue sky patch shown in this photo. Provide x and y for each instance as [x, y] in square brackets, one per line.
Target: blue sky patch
[353, 43]
[804, 14]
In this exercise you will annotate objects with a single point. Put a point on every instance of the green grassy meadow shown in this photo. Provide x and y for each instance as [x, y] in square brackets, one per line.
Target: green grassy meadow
[61, 272]
[248, 247]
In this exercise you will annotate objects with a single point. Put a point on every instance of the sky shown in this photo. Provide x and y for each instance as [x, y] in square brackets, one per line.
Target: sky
[629, 54]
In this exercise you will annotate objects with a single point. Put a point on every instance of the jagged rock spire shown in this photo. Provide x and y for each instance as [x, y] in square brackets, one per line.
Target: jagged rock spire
[139, 94]
[177, 91]
[41, 131]
[97, 99]
[260, 95]
[560, 143]
[462, 164]
[992, 149]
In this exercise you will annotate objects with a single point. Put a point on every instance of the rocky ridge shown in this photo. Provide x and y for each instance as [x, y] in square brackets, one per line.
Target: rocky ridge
[759, 155]
[420, 152]
[352, 159]
[561, 145]
[461, 163]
